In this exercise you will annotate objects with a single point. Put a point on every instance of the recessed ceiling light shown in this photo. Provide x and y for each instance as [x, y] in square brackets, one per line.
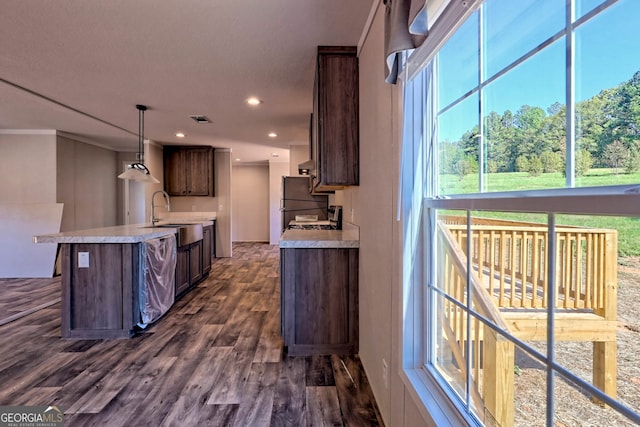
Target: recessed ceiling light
[254, 101]
[275, 155]
[237, 159]
[180, 135]
[272, 135]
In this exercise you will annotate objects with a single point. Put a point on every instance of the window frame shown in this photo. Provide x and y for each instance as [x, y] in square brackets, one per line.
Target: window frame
[418, 373]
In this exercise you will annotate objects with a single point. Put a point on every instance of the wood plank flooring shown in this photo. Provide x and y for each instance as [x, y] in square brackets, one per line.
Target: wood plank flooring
[20, 297]
[215, 359]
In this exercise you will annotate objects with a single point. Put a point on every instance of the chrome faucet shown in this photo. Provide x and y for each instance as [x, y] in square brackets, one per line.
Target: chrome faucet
[153, 207]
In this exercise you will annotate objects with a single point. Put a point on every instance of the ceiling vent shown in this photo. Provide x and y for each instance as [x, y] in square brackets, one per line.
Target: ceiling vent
[200, 119]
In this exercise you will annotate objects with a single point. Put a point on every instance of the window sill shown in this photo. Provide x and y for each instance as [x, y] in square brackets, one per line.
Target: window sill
[434, 404]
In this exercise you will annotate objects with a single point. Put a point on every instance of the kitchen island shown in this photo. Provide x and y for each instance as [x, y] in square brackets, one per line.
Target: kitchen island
[319, 291]
[103, 275]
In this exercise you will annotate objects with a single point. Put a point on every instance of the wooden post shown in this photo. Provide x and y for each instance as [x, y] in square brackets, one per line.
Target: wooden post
[497, 384]
[605, 353]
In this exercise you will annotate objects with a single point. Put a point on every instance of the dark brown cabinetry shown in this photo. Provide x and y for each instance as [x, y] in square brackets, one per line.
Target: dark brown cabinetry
[195, 261]
[319, 300]
[100, 301]
[188, 170]
[208, 237]
[334, 144]
[189, 267]
[183, 279]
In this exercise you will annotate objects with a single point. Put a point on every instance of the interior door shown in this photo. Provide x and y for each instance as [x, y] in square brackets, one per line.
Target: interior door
[133, 200]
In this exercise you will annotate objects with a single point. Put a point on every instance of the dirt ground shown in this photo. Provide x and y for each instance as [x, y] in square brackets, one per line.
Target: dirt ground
[573, 407]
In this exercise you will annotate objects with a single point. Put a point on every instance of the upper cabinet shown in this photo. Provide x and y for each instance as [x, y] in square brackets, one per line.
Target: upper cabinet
[334, 128]
[188, 170]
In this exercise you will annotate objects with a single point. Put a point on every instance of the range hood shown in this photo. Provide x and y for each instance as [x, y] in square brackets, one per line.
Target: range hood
[307, 168]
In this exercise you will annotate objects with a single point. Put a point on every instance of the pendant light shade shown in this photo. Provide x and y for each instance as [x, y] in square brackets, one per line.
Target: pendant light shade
[138, 171]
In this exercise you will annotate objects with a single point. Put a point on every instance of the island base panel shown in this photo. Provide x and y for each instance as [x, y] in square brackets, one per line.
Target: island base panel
[101, 300]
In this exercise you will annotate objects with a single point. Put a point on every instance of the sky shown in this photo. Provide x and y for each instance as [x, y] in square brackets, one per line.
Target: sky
[607, 53]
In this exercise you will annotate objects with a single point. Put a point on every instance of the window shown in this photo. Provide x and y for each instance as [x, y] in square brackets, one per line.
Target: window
[521, 155]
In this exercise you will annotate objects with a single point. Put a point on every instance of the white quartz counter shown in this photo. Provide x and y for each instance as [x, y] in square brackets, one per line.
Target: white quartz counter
[348, 237]
[134, 233]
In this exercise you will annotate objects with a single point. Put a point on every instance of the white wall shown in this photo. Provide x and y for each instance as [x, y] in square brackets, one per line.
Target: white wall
[250, 188]
[372, 205]
[38, 169]
[297, 155]
[27, 202]
[224, 198]
[276, 171]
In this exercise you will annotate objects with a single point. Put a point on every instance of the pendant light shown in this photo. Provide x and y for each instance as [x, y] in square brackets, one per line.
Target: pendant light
[138, 171]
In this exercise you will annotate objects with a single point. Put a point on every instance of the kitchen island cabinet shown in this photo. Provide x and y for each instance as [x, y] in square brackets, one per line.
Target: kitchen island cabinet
[319, 291]
[102, 272]
[104, 277]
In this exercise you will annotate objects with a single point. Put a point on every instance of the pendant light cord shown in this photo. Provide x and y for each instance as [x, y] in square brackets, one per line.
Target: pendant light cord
[141, 110]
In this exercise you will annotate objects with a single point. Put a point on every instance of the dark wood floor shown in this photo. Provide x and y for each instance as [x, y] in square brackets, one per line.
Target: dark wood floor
[215, 359]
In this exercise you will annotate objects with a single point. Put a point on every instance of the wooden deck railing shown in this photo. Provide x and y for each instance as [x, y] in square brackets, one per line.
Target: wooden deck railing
[491, 390]
[514, 255]
[509, 283]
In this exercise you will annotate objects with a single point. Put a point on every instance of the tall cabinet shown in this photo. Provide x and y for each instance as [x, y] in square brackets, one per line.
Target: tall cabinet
[334, 125]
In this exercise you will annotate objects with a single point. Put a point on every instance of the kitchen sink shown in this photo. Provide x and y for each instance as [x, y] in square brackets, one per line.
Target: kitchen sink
[187, 233]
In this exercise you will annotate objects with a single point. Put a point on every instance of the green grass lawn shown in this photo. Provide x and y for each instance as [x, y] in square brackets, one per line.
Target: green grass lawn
[628, 228]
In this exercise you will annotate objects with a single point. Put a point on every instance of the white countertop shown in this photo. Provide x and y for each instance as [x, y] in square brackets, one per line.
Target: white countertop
[134, 233]
[348, 237]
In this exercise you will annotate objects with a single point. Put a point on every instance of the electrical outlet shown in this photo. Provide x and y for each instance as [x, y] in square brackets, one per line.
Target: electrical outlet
[83, 259]
[385, 373]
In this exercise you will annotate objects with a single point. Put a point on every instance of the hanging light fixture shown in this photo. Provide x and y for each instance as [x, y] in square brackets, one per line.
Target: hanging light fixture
[138, 171]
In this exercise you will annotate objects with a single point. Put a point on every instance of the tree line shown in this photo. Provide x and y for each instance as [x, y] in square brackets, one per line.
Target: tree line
[534, 140]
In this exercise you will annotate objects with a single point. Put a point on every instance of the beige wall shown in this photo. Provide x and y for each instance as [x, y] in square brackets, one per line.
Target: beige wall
[28, 167]
[86, 184]
[41, 168]
[250, 189]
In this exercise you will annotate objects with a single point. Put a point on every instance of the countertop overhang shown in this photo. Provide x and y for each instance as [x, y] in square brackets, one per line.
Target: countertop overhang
[348, 237]
[134, 233]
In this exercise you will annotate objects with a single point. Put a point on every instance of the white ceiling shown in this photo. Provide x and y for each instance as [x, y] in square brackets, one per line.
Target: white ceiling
[177, 57]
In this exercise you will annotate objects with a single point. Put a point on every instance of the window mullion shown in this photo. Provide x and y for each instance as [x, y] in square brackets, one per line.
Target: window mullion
[551, 306]
[480, 138]
[570, 167]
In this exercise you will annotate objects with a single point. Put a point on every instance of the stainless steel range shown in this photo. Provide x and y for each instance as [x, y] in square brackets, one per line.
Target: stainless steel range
[311, 222]
[312, 227]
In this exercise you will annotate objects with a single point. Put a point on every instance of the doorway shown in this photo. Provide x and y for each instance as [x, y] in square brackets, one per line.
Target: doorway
[134, 211]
